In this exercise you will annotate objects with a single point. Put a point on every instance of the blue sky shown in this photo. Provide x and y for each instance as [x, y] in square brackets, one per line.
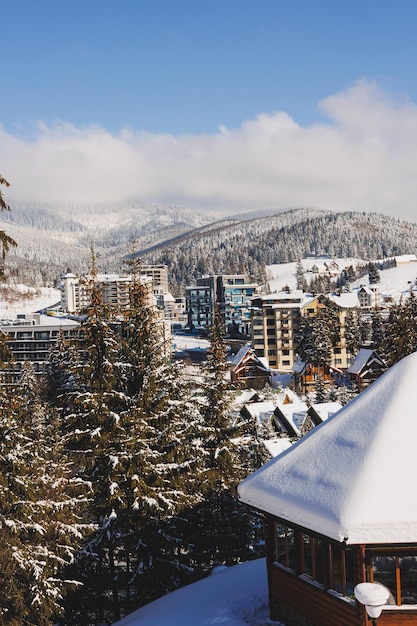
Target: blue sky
[172, 88]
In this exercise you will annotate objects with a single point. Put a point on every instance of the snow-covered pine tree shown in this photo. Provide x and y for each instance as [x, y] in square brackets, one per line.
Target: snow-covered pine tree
[320, 390]
[378, 330]
[6, 241]
[221, 530]
[374, 276]
[401, 339]
[300, 278]
[352, 331]
[40, 507]
[94, 433]
[166, 448]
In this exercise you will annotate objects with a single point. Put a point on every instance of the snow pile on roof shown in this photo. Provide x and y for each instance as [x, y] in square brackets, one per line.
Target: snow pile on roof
[349, 478]
[261, 410]
[235, 596]
[325, 409]
[277, 446]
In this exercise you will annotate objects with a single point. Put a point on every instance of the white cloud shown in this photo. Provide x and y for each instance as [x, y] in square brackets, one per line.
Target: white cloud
[362, 158]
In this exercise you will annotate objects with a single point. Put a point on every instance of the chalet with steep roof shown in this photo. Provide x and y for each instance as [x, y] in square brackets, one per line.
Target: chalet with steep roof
[248, 370]
[366, 368]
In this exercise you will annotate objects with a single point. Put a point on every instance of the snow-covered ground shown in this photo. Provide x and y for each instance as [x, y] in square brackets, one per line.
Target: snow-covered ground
[395, 281]
[27, 300]
[235, 596]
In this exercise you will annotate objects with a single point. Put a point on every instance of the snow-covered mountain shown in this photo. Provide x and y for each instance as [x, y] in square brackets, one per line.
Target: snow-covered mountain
[54, 238]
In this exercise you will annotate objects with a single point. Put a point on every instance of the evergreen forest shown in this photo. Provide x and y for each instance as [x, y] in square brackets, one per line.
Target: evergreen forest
[53, 239]
[118, 471]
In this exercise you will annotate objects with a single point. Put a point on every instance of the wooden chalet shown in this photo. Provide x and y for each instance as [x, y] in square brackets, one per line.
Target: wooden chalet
[318, 413]
[306, 374]
[248, 371]
[288, 419]
[341, 508]
[366, 368]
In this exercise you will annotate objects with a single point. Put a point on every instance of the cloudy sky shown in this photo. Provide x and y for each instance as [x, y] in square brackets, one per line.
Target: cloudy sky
[220, 105]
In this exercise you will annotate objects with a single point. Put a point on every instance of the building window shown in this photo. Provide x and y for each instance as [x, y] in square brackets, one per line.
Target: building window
[342, 571]
[398, 574]
[313, 558]
[328, 565]
[285, 547]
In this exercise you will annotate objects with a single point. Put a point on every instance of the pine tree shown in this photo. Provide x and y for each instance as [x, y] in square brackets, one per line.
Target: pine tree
[300, 277]
[40, 507]
[378, 330]
[352, 331]
[92, 412]
[320, 390]
[6, 241]
[374, 276]
[220, 529]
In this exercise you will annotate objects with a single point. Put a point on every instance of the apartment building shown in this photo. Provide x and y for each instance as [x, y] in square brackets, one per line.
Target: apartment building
[75, 290]
[30, 337]
[275, 323]
[231, 292]
[275, 320]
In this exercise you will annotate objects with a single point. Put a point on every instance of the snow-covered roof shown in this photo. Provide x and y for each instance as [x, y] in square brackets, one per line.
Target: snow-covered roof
[278, 445]
[349, 478]
[325, 409]
[261, 410]
[240, 354]
[299, 367]
[360, 361]
[347, 300]
[293, 413]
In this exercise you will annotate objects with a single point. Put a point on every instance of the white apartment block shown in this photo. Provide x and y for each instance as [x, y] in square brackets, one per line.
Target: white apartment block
[30, 337]
[75, 290]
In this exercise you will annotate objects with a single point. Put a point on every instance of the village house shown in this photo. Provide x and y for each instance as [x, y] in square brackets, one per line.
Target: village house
[366, 368]
[340, 509]
[369, 297]
[318, 413]
[248, 370]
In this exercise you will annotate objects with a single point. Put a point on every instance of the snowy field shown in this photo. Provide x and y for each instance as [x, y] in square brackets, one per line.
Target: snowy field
[27, 300]
[395, 281]
[235, 596]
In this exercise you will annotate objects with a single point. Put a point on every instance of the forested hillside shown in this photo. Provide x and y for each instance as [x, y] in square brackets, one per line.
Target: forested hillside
[52, 239]
[248, 246]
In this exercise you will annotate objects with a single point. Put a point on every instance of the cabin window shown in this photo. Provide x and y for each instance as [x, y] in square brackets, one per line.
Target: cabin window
[342, 570]
[285, 546]
[328, 565]
[312, 558]
[399, 575]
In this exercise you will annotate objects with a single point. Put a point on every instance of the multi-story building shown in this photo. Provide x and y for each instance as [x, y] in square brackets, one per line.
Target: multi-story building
[369, 297]
[75, 290]
[231, 292]
[275, 320]
[275, 324]
[30, 337]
